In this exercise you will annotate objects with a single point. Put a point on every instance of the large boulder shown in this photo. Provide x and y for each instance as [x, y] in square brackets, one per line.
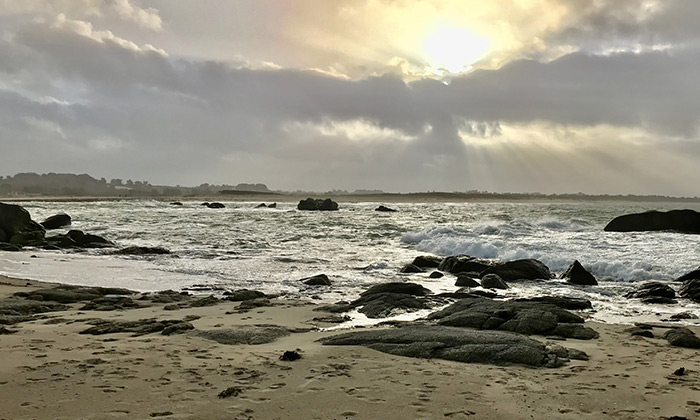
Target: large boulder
[684, 221]
[463, 263]
[385, 209]
[493, 281]
[215, 205]
[16, 220]
[317, 280]
[528, 269]
[693, 275]
[653, 292]
[457, 344]
[385, 299]
[317, 204]
[427, 261]
[682, 337]
[56, 221]
[691, 290]
[576, 274]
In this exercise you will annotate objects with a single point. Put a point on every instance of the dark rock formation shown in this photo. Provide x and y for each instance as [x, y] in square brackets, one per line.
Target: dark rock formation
[317, 204]
[244, 294]
[493, 281]
[458, 344]
[381, 300]
[463, 263]
[317, 280]
[16, 220]
[521, 317]
[654, 292]
[384, 209]
[138, 328]
[576, 274]
[14, 310]
[528, 269]
[141, 250]
[466, 281]
[176, 203]
[411, 268]
[640, 332]
[290, 356]
[436, 275]
[56, 221]
[560, 301]
[684, 221]
[693, 275]
[77, 238]
[71, 294]
[216, 205]
[110, 303]
[427, 261]
[246, 334]
[691, 290]
[261, 206]
[682, 337]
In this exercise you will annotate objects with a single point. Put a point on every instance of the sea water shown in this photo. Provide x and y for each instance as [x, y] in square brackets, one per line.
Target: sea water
[270, 250]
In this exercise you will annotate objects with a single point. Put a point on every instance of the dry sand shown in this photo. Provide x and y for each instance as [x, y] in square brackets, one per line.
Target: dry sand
[49, 371]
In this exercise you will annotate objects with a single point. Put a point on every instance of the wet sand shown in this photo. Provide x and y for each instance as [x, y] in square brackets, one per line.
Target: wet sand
[50, 371]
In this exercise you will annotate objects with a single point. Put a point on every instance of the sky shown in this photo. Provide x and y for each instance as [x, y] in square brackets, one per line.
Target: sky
[550, 96]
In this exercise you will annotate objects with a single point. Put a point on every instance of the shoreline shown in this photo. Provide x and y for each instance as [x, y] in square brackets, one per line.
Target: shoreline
[50, 371]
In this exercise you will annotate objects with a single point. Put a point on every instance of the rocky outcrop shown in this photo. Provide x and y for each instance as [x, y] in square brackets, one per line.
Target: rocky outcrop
[563, 302]
[578, 275]
[243, 295]
[78, 238]
[528, 269]
[493, 281]
[245, 334]
[317, 204]
[427, 261]
[137, 328]
[56, 221]
[436, 275]
[463, 263]
[691, 290]
[457, 344]
[684, 221]
[382, 300]
[520, 317]
[317, 280]
[654, 292]
[141, 250]
[72, 294]
[692, 275]
[682, 337]
[466, 281]
[385, 209]
[15, 220]
[411, 268]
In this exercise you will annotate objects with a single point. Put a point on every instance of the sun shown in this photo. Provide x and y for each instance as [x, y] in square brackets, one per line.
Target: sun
[454, 49]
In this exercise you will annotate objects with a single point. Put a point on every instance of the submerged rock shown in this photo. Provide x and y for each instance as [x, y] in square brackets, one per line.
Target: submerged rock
[463, 263]
[466, 281]
[493, 281]
[449, 343]
[527, 269]
[576, 274]
[382, 300]
[215, 205]
[317, 204]
[436, 275]
[683, 221]
[427, 261]
[385, 209]
[141, 250]
[317, 280]
[411, 268]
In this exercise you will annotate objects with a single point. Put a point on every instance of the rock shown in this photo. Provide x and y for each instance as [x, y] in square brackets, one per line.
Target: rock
[384, 209]
[560, 301]
[693, 275]
[427, 261]
[684, 315]
[493, 281]
[691, 290]
[521, 317]
[659, 300]
[449, 343]
[679, 372]
[138, 328]
[178, 328]
[411, 268]
[576, 274]
[245, 334]
[14, 310]
[640, 332]
[254, 303]
[216, 205]
[272, 206]
[466, 281]
[56, 221]
[463, 263]
[290, 356]
[682, 337]
[244, 294]
[232, 391]
[167, 296]
[141, 250]
[261, 205]
[683, 221]
[528, 269]
[652, 289]
[72, 294]
[110, 303]
[15, 220]
[83, 240]
[176, 203]
[27, 238]
[5, 331]
[317, 280]
[382, 305]
[397, 287]
[317, 204]
[9, 247]
[204, 301]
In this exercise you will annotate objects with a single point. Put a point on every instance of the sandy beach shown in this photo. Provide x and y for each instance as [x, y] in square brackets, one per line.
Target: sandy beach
[48, 370]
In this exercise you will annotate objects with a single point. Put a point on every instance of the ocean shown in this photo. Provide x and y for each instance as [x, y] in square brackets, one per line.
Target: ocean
[241, 246]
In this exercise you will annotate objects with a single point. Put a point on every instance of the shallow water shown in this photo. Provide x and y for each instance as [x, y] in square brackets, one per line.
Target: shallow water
[271, 249]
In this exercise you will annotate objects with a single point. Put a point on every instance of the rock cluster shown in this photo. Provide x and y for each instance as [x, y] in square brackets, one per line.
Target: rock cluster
[317, 204]
[684, 221]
